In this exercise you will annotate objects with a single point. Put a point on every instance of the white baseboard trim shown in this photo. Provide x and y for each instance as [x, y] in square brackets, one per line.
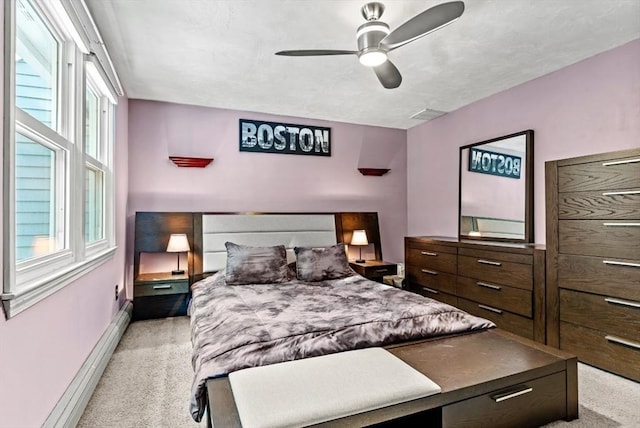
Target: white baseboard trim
[68, 411]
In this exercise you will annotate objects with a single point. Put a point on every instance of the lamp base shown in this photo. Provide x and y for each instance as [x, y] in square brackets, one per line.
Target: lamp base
[177, 272]
[360, 261]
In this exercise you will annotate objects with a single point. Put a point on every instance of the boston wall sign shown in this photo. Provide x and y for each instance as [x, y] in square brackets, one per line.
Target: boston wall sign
[270, 137]
[486, 162]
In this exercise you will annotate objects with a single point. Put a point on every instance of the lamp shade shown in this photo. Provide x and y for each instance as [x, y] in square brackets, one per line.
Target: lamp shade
[359, 237]
[178, 243]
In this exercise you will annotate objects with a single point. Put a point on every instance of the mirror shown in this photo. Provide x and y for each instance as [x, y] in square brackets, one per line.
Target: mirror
[496, 189]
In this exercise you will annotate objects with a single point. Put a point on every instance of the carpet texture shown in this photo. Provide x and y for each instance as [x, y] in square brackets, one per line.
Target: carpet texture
[148, 381]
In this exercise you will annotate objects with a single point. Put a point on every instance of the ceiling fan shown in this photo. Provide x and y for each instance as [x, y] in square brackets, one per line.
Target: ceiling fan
[375, 40]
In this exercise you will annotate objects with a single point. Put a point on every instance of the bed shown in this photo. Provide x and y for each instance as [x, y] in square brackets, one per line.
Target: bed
[312, 309]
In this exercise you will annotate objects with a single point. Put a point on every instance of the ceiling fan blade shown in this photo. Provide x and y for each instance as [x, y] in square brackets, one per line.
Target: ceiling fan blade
[388, 75]
[315, 52]
[423, 24]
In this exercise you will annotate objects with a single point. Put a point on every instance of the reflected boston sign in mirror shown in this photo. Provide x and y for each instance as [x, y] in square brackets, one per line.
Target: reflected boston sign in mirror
[496, 189]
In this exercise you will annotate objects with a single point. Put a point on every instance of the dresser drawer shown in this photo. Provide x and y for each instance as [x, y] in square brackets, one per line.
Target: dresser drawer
[611, 277]
[432, 258]
[374, 269]
[610, 205]
[161, 288]
[511, 299]
[431, 278]
[600, 238]
[614, 174]
[492, 269]
[602, 349]
[505, 320]
[437, 295]
[529, 404]
[620, 317]
[167, 305]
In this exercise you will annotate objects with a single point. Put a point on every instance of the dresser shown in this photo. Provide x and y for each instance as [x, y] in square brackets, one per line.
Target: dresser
[503, 282]
[593, 258]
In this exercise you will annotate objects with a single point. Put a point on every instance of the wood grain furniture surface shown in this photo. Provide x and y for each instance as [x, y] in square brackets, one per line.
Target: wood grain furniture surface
[593, 259]
[488, 379]
[500, 281]
[374, 269]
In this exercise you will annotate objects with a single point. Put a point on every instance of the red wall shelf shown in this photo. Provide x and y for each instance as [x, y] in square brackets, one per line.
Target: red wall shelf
[189, 162]
[373, 171]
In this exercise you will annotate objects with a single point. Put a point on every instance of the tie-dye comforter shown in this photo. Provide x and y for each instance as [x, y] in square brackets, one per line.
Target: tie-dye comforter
[241, 326]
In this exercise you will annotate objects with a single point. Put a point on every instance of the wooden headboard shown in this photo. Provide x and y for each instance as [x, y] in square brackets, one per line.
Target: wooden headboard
[152, 230]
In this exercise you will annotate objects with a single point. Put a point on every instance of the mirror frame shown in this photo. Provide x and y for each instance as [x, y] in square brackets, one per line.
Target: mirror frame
[528, 199]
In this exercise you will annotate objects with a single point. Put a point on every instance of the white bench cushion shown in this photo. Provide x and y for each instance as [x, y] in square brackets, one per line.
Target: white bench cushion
[320, 389]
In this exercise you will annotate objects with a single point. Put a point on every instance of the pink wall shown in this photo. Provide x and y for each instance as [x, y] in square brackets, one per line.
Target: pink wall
[242, 181]
[589, 107]
[42, 349]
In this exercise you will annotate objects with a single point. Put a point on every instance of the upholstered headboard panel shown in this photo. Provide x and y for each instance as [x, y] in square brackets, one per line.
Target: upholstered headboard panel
[290, 230]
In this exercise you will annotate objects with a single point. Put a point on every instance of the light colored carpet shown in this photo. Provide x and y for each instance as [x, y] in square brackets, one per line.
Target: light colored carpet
[148, 381]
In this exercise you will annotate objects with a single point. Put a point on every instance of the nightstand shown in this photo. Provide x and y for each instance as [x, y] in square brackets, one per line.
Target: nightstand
[160, 295]
[374, 269]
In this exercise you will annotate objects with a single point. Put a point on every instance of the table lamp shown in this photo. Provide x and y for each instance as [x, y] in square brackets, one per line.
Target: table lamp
[178, 243]
[359, 238]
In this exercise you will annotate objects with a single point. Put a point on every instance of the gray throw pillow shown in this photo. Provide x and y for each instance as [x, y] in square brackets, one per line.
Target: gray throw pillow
[256, 265]
[319, 264]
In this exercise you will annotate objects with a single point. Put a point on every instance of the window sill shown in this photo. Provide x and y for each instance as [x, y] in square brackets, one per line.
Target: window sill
[16, 302]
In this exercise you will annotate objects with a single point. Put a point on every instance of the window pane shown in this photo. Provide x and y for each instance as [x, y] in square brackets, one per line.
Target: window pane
[36, 66]
[94, 212]
[91, 124]
[36, 200]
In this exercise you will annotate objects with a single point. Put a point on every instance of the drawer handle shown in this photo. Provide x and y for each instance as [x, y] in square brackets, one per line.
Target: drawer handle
[382, 270]
[489, 262]
[430, 272]
[622, 302]
[502, 397]
[615, 263]
[621, 341]
[489, 308]
[491, 286]
[427, 253]
[621, 162]
[162, 287]
[430, 290]
[621, 224]
[622, 192]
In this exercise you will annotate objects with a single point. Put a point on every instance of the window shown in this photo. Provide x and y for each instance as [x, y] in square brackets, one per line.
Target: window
[39, 171]
[36, 69]
[97, 143]
[60, 140]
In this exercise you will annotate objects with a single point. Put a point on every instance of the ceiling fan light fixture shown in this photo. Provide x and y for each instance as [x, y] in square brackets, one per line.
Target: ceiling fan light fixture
[373, 58]
[373, 26]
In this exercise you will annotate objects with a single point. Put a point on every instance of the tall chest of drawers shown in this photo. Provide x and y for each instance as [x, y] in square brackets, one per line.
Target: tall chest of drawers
[502, 282]
[593, 259]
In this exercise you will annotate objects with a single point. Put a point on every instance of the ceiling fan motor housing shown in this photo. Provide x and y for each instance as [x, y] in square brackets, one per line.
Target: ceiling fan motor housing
[369, 35]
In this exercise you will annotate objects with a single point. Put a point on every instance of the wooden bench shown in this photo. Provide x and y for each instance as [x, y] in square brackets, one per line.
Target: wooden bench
[487, 379]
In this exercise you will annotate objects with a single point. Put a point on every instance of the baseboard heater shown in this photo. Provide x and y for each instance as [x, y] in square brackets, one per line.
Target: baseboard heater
[71, 405]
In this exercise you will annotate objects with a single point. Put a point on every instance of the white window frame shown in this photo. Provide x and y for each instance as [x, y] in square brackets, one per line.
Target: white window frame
[105, 159]
[29, 281]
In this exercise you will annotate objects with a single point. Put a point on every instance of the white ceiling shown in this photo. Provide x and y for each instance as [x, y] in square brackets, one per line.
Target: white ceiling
[220, 53]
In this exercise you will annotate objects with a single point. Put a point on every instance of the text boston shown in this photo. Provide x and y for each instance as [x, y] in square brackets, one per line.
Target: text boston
[269, 137]
[486, 162]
